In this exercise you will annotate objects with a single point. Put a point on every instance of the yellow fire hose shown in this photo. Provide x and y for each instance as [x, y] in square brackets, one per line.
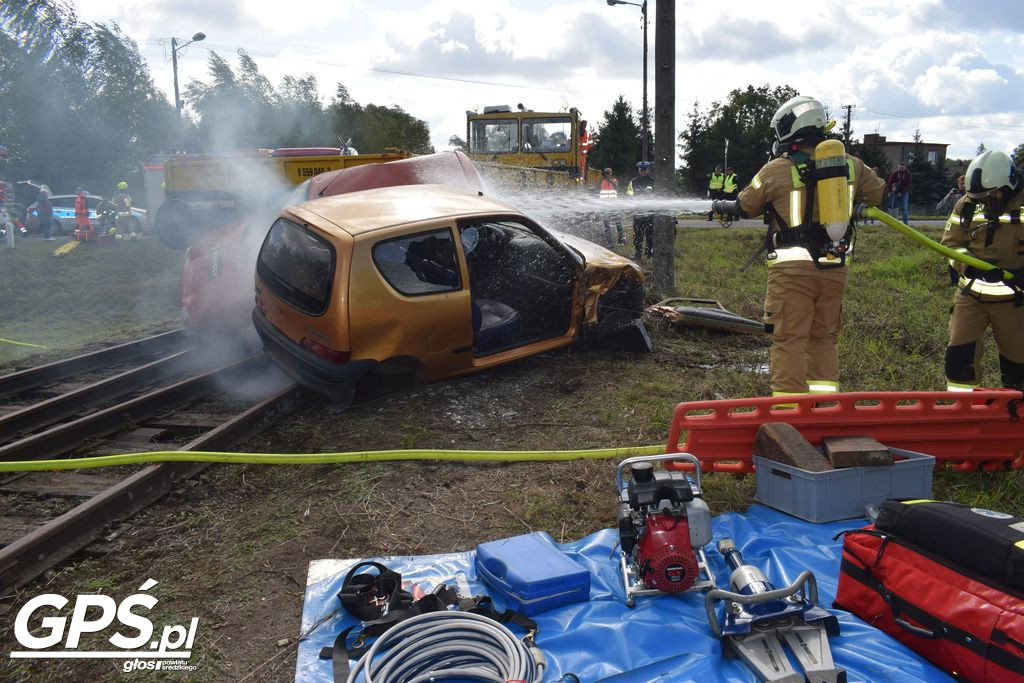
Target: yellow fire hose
[322, 458]
[924, 240]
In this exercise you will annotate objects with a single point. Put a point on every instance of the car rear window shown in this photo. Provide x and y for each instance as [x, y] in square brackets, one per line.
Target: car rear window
[297, 266]
[420, 264]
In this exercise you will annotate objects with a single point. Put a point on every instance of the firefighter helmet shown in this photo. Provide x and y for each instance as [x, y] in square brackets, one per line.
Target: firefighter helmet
[797, 117]
[122, 185]
[990, 170]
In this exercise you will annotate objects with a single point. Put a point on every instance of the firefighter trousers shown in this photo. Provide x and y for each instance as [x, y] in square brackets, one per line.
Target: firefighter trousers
[967, 324]
[804, 312]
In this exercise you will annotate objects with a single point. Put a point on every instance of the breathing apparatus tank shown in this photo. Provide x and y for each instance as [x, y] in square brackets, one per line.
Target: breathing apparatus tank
[832, 192]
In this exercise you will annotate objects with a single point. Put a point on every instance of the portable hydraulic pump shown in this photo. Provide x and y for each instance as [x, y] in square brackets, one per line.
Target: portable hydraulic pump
[664, 525]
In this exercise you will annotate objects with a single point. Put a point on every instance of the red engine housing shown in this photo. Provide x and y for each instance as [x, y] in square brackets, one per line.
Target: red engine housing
[665, 556]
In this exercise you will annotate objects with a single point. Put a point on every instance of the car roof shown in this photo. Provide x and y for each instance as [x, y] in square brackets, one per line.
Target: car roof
[359, 212]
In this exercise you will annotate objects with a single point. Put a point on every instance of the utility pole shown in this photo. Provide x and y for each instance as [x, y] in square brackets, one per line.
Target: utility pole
[665, 142]
[847, 132]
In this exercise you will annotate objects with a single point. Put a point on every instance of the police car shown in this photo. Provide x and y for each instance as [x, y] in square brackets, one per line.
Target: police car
[64, 214]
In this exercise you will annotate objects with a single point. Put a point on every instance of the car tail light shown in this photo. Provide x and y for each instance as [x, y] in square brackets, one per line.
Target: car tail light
[260, 306]
[325, 352]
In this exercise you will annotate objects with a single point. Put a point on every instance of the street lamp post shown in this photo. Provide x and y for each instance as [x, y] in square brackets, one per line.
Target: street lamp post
[643, 11]
[174, 63]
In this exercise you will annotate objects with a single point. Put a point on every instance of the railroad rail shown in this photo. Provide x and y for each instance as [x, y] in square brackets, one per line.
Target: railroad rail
[175, 401]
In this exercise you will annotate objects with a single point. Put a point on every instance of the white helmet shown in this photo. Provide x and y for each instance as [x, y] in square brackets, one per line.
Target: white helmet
[798, 116]
[990, 171]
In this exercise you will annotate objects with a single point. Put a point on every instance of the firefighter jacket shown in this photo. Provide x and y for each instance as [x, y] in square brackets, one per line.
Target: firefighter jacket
[779, 187]
[729, 184]
[996, 239]
[716, 181]
[123, 201]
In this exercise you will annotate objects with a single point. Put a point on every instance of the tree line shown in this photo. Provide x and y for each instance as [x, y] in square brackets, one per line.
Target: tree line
[79, 106]
[737, 132]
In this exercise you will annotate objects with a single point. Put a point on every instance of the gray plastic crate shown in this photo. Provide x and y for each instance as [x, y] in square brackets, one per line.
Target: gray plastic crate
[842, 493]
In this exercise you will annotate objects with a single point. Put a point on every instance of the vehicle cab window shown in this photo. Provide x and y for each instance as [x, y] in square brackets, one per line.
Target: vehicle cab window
[494, 136]
[547, 134]
[425, 263]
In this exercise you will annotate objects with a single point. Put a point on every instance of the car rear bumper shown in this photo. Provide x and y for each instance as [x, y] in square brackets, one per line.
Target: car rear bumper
[337, 381]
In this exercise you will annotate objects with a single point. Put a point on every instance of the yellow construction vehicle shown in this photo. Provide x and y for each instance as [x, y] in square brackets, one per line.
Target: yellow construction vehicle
[201, 191]
[545, 148]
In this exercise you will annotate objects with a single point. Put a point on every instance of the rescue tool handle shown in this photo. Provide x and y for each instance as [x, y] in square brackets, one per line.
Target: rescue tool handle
[653, 458]
[806, 577]
[919, 631]
[863, 211]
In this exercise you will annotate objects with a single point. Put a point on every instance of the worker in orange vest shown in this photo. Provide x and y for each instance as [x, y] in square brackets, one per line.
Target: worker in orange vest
[585, 143]
[83, 226]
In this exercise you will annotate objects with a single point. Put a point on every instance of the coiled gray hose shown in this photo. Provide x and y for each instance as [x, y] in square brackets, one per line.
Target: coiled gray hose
[438, 646]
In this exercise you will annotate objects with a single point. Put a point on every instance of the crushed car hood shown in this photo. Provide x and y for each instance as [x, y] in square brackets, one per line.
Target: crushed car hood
[604, 268]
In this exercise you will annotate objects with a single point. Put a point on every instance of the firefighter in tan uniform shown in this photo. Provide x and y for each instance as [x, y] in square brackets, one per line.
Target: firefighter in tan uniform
[986, 223]
[807, 259]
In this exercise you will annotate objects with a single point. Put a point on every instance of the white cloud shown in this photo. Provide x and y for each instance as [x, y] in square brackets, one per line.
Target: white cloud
[916, 65]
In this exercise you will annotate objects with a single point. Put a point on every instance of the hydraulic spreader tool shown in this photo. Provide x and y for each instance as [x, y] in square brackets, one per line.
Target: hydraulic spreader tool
[664, 525]
[758, 618]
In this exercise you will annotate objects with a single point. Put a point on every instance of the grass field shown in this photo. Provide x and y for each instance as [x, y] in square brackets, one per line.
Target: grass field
[233, 547]
[55, 305]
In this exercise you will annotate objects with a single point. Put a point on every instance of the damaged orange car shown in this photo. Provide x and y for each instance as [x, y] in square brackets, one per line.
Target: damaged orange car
[431, 279]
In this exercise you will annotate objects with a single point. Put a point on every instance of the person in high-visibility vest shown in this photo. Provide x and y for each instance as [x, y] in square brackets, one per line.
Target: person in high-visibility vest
[716, 187]
[584, 143]
[608, 190]
[123, 201]
[730, 185]
[986, 223]
[642, 187]
[83, 226]
[807, 272]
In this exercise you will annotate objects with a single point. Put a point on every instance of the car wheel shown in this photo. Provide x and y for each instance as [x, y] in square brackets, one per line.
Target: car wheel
[56, 227]
[176, 224]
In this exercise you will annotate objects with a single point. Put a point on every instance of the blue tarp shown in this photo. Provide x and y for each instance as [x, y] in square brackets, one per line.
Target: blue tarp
[663, 638]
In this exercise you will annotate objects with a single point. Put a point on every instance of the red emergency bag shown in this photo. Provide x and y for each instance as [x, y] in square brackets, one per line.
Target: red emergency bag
[944, 579]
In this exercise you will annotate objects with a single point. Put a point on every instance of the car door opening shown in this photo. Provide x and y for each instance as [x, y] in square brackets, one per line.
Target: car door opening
[521, 285]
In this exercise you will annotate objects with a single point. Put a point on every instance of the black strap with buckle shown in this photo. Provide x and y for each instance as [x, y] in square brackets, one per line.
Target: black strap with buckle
[379, 602]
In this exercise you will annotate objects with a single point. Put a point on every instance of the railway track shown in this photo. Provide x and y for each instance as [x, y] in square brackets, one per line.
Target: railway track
[153, 394]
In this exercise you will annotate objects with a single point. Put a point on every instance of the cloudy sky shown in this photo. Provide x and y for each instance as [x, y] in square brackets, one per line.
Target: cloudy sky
[952, 68]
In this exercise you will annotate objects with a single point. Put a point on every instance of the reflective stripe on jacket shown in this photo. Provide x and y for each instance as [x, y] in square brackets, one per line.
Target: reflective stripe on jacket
[999, 241]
